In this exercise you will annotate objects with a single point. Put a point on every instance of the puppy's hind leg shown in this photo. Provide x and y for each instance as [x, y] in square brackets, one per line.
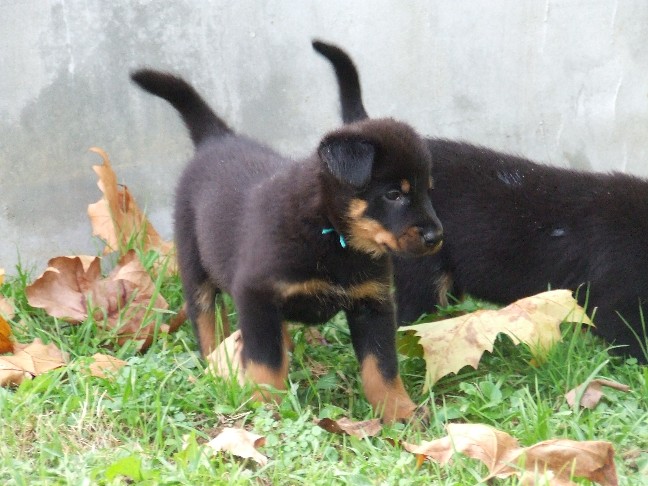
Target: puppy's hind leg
[199, 291]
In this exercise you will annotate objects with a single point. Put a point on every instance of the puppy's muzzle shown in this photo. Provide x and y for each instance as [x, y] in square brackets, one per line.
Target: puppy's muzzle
[432, 236]
[419, 240]
[432, 239]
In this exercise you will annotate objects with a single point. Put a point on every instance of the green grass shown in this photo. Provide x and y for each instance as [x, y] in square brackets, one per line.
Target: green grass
[65, 427]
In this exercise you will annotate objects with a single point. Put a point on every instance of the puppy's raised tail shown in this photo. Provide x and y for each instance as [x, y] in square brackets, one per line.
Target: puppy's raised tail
[347, 79]
[196, 114]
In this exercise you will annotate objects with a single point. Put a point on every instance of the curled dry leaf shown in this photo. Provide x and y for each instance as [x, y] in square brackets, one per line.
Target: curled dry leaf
[6, 345]
[29, 361]
[365, 428]
[225, 360]
[558, 460]
[451, 344]
[489, 445]
[105, 366]
[117, 219]
[241, 443]
[591, 393]
[566, 459]
[122, 300]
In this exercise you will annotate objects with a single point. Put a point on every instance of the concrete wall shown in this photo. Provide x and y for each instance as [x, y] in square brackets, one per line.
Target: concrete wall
[563, 82]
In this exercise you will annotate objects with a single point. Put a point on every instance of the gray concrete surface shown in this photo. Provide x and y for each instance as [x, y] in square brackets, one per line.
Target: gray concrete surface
[563, 82]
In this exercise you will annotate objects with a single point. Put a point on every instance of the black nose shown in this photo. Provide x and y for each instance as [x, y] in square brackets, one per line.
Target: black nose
[432, 236]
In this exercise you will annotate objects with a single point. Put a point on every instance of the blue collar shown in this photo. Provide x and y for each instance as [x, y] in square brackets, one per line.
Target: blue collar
[326, 231]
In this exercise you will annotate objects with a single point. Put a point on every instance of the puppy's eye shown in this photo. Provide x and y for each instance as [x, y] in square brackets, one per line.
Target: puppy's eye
[393, 195]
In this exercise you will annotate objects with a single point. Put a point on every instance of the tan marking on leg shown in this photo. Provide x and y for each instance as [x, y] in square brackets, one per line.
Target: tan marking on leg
[223, 326]
[443, 286]
[405, 186]
[261, 374]
[389, 399]
[287, 338]
[206, 327]
[205, 295]
[431, 182]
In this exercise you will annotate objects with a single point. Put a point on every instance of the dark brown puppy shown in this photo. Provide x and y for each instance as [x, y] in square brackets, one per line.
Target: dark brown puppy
[300, 240]
[513, 228]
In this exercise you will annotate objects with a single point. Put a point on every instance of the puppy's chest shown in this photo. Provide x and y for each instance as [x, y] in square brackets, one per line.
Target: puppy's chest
[315, 296]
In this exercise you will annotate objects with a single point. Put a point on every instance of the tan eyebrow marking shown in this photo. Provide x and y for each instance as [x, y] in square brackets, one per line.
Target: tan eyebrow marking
[405, 186]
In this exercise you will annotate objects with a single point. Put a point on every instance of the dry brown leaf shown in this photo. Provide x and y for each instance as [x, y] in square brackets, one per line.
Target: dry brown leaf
[478, 441]
[139, 289]
[591, 393]
[105, 366]
[241, 443]
[566, 459]
[63, 288]
[30, 360]
[451, 344]
[365, 428]
[123, 298]
[225, 360]
[117, 219]
[6, 307]
[556, 460]
[6, 345]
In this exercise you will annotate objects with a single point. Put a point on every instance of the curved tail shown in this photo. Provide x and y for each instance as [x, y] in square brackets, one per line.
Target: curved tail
[348, 81]
[196, 114]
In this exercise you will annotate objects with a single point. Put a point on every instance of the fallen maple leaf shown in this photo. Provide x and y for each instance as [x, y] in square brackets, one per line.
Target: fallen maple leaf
[64, 287]
[6, 346]
[6, 306]
[239, 442]
[105, 366]
[556, 460]
[365, 428]
[121, 301]
[117, 219]
[451, 344]
[566, 459]
[225, 360]
[590, 393]
[29, 361]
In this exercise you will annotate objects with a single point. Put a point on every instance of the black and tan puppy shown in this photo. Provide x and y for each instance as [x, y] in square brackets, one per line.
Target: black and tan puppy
[513, 228]
[300, 240]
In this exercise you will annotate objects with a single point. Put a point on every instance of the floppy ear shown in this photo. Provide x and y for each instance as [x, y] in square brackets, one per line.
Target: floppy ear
[349, 160]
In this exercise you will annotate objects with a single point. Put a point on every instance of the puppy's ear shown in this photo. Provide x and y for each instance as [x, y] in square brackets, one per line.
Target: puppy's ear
[349, 160]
